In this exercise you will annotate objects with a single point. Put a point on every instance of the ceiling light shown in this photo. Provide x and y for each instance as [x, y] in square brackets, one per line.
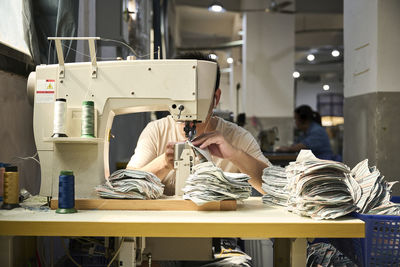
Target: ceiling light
[216, 7]
[229, 60]
[335, 53]
[310, 57]
[296, 74]
[326, 87]
[213, 56]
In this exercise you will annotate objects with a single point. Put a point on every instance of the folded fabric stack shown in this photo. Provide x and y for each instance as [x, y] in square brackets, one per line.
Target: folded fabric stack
[321, 189]
[375, 191]
[209, 183]
[325, 255]
[131, 184]
[275, 186]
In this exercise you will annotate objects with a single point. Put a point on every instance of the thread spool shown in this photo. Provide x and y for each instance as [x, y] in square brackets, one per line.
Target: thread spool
[11, 188]
[87, 119]
[60, 118]
[2, 170]
[66, 192]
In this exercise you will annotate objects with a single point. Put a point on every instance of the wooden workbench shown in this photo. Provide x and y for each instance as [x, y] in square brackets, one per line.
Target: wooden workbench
[252, 219]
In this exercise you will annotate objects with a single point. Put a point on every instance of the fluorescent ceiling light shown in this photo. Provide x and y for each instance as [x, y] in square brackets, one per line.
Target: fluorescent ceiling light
[310, 57]
[326, 87]
[229, 60]
[296, 74]
[335, 53]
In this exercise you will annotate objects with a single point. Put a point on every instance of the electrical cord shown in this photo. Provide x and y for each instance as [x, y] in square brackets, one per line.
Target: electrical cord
[69, 255]
[120, 42]
[104, 40]
[26, 158]
[117, 252]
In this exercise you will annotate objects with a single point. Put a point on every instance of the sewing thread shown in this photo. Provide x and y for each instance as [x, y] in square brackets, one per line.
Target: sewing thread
[11, 188]
[66, 192]
[60, 118]
[87, 119]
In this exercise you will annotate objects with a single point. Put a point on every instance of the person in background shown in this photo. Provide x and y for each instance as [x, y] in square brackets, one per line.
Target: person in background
[313, 135]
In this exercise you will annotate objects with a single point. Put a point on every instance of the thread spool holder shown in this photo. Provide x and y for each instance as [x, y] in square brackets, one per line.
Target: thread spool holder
[60, 55]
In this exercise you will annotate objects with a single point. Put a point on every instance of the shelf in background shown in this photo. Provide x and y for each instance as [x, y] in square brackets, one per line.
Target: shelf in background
[75, 140]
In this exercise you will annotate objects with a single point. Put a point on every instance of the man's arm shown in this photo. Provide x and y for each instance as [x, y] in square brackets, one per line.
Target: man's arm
[161, 165]
[251, 166]
[246, 163]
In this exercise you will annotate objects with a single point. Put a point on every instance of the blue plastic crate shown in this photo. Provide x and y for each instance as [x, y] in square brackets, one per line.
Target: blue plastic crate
[381, 245]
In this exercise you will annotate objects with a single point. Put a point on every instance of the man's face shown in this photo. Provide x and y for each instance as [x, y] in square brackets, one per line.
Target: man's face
[213, 104]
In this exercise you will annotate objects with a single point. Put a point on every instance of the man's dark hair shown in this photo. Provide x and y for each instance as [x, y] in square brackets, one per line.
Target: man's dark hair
[201, 56]
[306, 113]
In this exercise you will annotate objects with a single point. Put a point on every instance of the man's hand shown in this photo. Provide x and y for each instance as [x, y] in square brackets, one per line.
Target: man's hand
[216, 144]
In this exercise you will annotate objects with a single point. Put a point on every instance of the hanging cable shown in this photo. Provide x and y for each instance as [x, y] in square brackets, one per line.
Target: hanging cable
[25, 158]
[117, 252]
[69, 255]
[120, 42]
[108, 58]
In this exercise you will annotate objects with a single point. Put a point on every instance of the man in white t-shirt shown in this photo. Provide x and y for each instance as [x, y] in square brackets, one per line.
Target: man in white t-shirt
[233, 148]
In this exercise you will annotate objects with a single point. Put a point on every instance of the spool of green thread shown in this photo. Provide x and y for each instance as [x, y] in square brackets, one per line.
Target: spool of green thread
[87, 130]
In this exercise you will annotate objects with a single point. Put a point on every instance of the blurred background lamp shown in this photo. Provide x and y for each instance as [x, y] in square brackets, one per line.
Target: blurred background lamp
[229, 60]
[325, 87]
[310, 57]
[213, 56]
[216, 7]
[296, 74]
[335, 53]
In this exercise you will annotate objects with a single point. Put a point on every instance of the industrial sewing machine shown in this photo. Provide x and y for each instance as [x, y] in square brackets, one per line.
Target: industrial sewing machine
[184, 87]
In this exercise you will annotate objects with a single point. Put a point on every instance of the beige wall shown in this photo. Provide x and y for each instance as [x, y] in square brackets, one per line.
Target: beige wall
[268, 62]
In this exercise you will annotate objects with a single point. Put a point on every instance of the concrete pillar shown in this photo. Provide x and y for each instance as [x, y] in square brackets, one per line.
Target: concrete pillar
[371, 87]
[268, 64]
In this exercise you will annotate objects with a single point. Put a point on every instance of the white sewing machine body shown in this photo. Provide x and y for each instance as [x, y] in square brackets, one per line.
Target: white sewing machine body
[116, 87]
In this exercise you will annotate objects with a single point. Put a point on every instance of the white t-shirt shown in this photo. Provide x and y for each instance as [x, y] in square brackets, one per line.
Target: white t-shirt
[155, 137]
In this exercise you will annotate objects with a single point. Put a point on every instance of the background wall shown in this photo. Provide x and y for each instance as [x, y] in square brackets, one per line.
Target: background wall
[16, 131]
[268, 64]
[306, 93]
[371, 90]
[268, 57]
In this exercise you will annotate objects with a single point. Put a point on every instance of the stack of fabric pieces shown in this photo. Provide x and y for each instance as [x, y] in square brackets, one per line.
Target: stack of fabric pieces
[131, 184]
[326, 255]
[209, 183]
[275, 186]
[375, 191]
[321, 189]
